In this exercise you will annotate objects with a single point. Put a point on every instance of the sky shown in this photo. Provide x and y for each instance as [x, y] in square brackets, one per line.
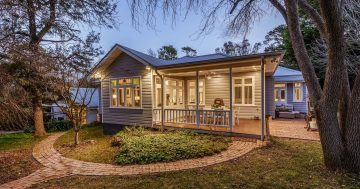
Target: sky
[183, 33]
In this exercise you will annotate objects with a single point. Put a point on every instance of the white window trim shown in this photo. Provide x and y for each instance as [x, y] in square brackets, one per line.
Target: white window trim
[243, 91]
[177, 88]
[117, 99]
[188, 92]
[301, 92]
[279, 89]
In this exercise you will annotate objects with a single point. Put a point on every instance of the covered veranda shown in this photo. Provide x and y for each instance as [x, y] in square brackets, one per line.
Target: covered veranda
[225, 96]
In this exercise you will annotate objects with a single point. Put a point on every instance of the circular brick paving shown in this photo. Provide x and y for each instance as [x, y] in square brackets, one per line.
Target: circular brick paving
[57, 166]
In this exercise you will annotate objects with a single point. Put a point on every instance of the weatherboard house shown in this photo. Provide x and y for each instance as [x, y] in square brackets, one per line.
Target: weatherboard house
[209, 93]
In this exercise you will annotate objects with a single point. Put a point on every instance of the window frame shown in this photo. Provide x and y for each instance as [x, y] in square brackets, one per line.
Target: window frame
[188, 92]
[301, 92]
[242, 85]
[132, 89]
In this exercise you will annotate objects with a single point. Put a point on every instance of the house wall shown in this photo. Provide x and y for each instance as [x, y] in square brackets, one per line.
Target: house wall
[126, 66]
[298, 106]
[269, 96]
[219, 87]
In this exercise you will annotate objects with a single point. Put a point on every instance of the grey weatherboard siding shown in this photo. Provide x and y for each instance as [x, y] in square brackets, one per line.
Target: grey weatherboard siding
[298, 106]
[126, 66]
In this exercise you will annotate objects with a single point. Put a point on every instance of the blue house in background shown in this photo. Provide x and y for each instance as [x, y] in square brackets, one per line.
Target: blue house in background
[290, 89]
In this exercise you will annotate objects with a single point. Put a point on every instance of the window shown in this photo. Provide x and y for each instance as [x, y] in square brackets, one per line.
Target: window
[192, 91]
[174, 93]
[244, 90]
[126, 92]
[298, 94]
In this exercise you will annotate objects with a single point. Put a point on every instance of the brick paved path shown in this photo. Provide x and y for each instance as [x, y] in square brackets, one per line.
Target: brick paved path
[292, 128]
[58, 166]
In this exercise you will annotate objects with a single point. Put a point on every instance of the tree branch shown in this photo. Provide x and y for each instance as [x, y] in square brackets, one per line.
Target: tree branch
[314, 16]
[280, 8]
[234, 6]
[50, 22]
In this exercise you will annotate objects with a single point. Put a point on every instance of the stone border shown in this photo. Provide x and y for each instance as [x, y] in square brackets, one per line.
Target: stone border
[57, 166]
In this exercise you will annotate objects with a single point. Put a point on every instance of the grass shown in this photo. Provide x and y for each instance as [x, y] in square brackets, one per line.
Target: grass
[287, 164]
[19, 141]
[139, 147]
[16, 160]
[99, 152]
[143, 148]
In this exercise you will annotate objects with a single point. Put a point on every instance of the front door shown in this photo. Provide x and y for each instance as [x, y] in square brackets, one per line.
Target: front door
[280, 94]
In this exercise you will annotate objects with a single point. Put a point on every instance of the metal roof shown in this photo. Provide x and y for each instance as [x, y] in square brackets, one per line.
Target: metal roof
[283, 74]
[186, 60]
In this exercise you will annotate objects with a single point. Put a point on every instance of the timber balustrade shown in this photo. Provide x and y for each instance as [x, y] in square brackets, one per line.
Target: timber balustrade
[187, 116]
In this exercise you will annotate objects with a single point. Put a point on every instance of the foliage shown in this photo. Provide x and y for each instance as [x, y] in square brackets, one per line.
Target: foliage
[189, 51]
[167, 52]
[238, 49]
[288, 163]
[142, 148]
[18, 141]
[38, 38]
[55, 125]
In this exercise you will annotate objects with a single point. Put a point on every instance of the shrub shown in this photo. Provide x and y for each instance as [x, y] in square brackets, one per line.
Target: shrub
[55, 125]
[165, 147]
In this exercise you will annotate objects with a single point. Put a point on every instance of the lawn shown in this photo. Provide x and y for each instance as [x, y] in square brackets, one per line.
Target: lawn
[286, 164]
[139, 146]
[16, 160]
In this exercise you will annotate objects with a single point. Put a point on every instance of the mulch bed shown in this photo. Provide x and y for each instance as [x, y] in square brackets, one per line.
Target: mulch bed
[16, 164]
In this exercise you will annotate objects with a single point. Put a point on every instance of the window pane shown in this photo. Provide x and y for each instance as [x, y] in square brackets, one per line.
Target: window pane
[238, 95]
[157, 80]
[180, 96]
[276, 95]
[201, 83]
[113, 93]
[248, 81]
[248, 94]
[113, 83]
[192, 96]
[280, 85]
[283, 95]
[122, 81]
[201, 99]
[191, 83]
[297, 94]
[297, 84]
[238, 81]
[128, 81]
[136, 81]
[137, 96]
[158, 97]
[128, 97]
[121, 97]
[174, 97]
[180, 83]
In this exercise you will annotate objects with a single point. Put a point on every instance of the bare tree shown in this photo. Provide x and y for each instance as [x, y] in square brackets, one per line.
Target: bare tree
[340, 138]
[30, 31]
[73, 97]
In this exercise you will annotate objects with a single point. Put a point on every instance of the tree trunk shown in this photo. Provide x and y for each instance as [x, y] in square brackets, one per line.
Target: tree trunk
[352, 132]
[344, 105]
[330, 137]
[38, 117]
[326, 102]
[76, 138]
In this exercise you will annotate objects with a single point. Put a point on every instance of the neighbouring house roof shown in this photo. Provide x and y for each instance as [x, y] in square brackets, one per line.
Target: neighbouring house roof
[183, 61]
[89, 96]
[283, 74]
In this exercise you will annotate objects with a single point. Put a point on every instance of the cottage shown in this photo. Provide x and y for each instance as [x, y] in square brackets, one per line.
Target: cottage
[210, 93]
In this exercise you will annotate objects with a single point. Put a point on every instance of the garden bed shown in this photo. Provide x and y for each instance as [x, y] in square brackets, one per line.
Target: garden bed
[139, 146]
